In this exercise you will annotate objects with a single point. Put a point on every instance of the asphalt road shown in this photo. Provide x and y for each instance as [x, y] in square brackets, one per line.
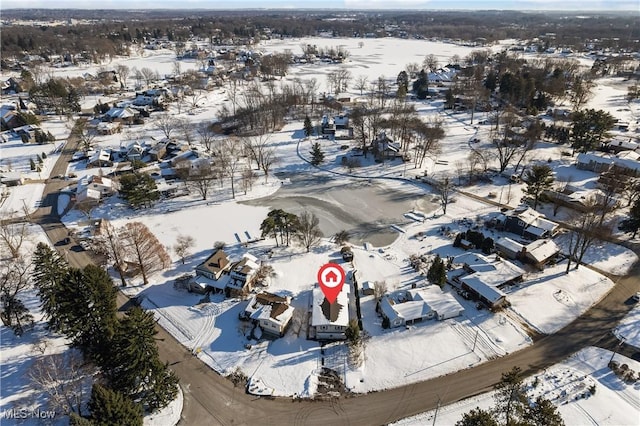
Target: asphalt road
[211, 399]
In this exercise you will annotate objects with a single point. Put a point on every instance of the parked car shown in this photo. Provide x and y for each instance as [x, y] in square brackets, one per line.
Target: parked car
[636, 297]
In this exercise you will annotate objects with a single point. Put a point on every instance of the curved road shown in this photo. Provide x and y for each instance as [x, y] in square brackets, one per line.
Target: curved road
[211, 399]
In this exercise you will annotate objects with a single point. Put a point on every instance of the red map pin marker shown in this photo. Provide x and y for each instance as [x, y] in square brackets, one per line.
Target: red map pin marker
[331, 278]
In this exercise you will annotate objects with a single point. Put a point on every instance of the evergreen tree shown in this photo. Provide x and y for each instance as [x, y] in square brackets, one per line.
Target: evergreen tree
[403, 82]
[437, 273]
[487, 245]
[139, 189]
[87, 310]
[40, 161]
[632, 223]
[49, 269]
[477, 417]
[543, 413]
[317, 156]
[421, 85]
[590, 128]
[308, 127]
[44, 155]
[510, 397]
[32, 164]
[538, 179]
[134, 367]
[108, 407]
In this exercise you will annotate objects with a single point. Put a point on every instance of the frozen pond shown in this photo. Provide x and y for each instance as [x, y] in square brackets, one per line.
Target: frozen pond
[366, 209]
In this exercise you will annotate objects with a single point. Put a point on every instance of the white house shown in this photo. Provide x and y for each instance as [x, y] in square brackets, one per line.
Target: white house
[271, 312]
[101, 158]
[329, 321]
[92, 189]
[410, 306]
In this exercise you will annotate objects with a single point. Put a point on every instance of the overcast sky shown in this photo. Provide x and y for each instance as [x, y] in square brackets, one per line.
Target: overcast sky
[575, 5]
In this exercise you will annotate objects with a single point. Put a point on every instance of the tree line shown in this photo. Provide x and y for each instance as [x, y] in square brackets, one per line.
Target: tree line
[119, 352]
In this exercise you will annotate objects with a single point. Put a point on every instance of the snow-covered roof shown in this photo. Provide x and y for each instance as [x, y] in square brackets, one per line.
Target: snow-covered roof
[339, 309]
[587, 158]
[220, 284]
[493, 272]
[624, 144]
[441, 302]
[121, 113]
[534, 218]
[475, 282]
[267, 306]
[509, 244]
[541, 250]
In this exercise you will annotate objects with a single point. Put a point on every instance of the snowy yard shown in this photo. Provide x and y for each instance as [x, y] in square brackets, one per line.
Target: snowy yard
[567, 386]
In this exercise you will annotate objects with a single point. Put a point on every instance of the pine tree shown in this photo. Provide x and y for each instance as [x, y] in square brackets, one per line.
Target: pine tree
[48, 271]
[437, 273]
[308, 127]
[632, 223]
[477, 417]
[139, 189]
[87, 309]
[40, 161]
[538, 179]
[510, 396]
[543, 413]
[317, 156]
[32, 164]
[109, 407]
[44, 155]
[134, 367]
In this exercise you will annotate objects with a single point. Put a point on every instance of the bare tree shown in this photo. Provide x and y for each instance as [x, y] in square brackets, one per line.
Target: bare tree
[430, 62]
[379, 289]
[207, 136]
[146, 251]
[65, 378]
[12, 236]
[14, 279]
[444, 188]
[184, 244]
[361, 83]
[167, 124]
[247, 178]
[581, 91]
[123, 72]
[427, 138]
[110, 244]
[230, 160]
[148, 75]
[199, 179]
[585, 230]
[309, 232]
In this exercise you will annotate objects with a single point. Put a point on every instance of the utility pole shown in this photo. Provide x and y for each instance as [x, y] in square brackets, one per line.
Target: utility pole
[475, 340]
[435, 415]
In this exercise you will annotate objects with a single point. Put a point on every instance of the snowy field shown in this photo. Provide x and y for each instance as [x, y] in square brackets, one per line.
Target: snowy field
[380, 193]
[567, 385]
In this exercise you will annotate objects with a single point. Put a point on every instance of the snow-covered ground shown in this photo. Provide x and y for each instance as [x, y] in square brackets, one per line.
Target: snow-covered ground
[629, 328]
[19, 354]
[289, 365]
[566, 385]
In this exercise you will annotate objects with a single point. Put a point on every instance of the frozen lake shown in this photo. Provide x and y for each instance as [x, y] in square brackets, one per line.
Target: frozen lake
[366, 209]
